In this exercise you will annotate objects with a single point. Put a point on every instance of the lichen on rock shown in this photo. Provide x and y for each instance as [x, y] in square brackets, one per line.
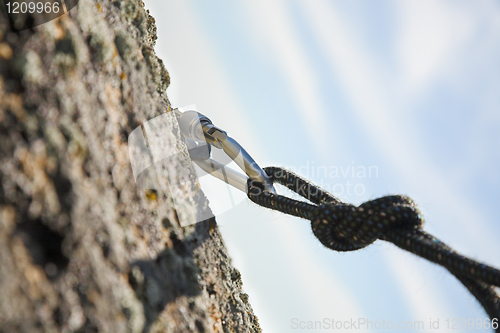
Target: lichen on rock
[82, 247]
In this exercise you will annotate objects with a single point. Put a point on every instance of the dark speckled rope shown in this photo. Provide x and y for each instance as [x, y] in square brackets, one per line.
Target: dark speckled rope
[344, 227]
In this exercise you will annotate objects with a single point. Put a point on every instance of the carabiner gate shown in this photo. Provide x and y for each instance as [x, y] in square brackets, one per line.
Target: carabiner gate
[200, 134]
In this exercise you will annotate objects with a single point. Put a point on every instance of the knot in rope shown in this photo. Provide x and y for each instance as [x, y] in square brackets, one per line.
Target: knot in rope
[395, 218]
[346, 227]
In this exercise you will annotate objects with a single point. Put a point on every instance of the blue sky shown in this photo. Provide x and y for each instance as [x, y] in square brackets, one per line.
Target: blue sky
[410, 88]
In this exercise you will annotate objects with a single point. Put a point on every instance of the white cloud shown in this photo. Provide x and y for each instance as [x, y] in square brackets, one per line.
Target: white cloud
[429, 36]
[198, 76]
[424, 302]
[377, 109]
[196, 70]
[197, 73]
[274, 27]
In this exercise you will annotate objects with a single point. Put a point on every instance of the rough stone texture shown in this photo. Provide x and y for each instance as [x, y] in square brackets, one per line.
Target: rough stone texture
[82, 248]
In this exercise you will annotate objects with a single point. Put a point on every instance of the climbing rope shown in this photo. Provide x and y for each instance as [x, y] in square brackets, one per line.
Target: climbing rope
[339, 226]
[344, 227]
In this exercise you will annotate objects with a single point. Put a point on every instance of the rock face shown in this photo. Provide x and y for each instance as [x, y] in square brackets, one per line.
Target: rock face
[82, 247]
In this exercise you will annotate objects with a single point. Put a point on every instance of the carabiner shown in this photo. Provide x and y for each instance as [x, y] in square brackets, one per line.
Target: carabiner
[200, 134]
